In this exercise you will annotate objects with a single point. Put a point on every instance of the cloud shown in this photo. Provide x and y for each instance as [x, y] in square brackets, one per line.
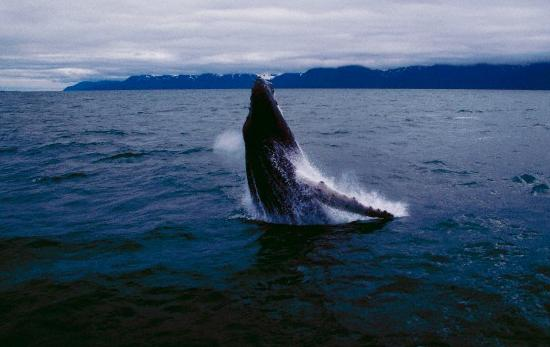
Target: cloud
[51, 44]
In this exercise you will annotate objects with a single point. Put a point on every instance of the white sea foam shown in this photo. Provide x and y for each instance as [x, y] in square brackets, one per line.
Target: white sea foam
[348, 185]
[229, 144]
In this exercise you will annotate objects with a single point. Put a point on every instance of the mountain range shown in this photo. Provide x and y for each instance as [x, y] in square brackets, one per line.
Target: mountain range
[479, 76]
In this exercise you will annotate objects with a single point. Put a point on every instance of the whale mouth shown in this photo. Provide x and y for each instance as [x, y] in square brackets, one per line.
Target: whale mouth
[262, 87]
[263, 93]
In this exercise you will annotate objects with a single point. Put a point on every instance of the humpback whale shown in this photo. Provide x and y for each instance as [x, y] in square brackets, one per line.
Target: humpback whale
[271, 154]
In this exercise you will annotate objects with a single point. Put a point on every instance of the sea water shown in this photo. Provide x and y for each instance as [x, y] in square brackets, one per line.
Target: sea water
[124, 219]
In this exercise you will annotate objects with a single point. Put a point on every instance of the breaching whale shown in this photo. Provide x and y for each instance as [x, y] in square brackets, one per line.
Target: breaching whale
[271, 154]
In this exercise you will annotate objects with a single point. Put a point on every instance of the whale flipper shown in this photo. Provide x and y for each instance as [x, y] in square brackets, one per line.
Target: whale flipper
[337, 200]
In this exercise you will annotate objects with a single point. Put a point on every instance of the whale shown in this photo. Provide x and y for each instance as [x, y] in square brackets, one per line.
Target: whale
[272, 155]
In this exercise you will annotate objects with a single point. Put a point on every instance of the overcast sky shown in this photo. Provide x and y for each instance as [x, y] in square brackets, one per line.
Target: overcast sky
[48, 45]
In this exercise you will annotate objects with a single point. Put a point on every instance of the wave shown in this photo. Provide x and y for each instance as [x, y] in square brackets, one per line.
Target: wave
[335, 132]
[435, 162]
[466, 117]
[469, 184]
[59, 178]
[525, 178]
[64, 145]
[195, 150]
[453, 172]
[9, 149]
[124, 155]
[540, 188]
[537, 184]
[106, 132]
[133, 155]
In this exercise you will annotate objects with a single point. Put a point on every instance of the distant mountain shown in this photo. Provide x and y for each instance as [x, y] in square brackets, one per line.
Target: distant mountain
[204, 81]
[479, 76]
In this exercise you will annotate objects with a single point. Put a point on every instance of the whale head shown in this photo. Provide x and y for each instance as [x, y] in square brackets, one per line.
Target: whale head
[265, 124]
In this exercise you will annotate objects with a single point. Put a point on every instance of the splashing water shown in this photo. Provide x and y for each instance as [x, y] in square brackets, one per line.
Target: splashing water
[229, 144]
[346, 184]
[349, 186]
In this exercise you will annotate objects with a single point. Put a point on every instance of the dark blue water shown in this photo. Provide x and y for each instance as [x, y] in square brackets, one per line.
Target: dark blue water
[122, 221]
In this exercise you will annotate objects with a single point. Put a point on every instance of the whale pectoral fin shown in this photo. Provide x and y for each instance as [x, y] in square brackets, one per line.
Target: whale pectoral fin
[343, 202]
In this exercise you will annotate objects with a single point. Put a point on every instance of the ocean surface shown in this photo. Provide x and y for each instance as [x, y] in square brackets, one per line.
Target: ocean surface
[124, 221]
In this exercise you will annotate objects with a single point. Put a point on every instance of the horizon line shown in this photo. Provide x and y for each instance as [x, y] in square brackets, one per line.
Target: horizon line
[272, 75]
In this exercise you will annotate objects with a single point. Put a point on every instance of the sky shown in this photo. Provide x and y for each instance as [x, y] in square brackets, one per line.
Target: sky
[48, 45]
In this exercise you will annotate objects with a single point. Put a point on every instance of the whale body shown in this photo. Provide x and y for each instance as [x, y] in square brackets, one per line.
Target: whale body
[271, 154]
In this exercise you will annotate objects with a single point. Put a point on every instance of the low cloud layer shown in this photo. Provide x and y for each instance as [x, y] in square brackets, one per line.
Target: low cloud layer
[47, 45]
